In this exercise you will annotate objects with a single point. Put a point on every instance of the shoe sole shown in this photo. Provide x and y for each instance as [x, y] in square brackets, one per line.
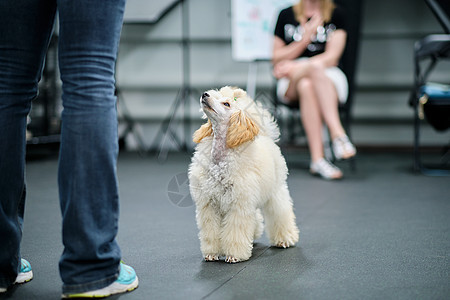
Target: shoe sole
[326, 178]
[21, 279]
[351, 155]
[132, 286]
[24, 277]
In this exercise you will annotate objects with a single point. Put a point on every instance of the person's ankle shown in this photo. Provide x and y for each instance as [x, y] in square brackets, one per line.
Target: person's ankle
[317, 158]
[337, 135]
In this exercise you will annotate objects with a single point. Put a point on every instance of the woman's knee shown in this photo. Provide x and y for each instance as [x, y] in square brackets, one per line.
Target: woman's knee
[304, 86]
[89, 85]
[316, 70]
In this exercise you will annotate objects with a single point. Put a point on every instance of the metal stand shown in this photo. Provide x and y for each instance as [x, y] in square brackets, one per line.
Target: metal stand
[181, 102]
[251, 78]
[131, 126]
[168, 126]
[442, 169]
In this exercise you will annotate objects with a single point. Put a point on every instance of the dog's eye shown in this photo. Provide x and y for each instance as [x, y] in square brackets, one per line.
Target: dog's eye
[226, 104]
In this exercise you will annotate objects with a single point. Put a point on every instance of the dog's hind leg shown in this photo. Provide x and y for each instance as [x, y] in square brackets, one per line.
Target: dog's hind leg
[280, 219]
[208, 222]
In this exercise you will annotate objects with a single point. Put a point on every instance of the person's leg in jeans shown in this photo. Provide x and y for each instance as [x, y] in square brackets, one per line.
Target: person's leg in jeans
[25, 27]
[87, 174]
[88, 43]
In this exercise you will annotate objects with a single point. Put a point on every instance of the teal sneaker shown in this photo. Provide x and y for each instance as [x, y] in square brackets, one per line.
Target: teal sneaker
[126, 282]
[25, 274]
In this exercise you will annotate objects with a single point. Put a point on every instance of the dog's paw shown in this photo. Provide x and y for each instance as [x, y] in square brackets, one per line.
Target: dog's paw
[286, 239]
[232, 259]
[211, 257]
[282, 245]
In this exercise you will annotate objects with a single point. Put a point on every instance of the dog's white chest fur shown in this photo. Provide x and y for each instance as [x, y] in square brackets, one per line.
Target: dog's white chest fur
[219, 185]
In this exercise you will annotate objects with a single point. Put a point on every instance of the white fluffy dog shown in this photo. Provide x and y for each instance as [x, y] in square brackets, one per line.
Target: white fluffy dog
[236, 170]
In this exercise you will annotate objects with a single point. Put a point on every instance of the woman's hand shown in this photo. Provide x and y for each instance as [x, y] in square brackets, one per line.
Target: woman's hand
[282, 52]
[290, 68]
[310, 26]
[283, 68]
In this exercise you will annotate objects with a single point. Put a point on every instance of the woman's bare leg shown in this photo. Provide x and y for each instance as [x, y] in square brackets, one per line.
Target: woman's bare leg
[328, 100]
[311, 117]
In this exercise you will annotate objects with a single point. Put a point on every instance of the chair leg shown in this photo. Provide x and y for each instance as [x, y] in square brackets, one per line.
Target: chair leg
[417, 163]
[352, 162]
[346, 121]
[291, 128]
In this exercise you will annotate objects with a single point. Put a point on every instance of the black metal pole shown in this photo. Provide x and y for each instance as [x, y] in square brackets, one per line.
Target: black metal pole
[186, 71]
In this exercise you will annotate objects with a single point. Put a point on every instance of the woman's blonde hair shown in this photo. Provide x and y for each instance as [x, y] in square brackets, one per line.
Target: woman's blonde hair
[326, 7]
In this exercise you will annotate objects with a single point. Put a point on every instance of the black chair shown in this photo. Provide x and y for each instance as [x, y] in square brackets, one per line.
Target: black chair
[348, 64]
[431, 100]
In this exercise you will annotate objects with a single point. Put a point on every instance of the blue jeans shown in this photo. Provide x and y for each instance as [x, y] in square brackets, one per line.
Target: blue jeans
[88, 42]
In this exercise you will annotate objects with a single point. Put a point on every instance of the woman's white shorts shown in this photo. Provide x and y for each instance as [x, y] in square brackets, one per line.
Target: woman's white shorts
[334, 73]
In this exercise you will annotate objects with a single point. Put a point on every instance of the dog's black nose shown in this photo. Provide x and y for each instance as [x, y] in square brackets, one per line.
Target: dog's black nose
[205, 95]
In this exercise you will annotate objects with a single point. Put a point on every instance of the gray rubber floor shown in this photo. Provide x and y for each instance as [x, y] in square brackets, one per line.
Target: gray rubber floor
[381, 233]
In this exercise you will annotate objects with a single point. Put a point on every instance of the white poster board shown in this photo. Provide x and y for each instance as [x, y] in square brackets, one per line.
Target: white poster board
[252, 27]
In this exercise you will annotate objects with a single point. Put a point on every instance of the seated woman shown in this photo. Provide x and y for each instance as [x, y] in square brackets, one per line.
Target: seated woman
[309, 40]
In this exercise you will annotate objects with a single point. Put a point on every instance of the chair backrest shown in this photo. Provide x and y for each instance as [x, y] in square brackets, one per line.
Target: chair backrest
[441, 10]
[349, 58]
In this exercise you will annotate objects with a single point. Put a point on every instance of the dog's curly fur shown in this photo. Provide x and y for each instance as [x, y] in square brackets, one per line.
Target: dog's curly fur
[237, 170]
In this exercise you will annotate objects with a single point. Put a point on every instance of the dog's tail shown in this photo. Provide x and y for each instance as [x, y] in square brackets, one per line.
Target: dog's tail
[267, 123]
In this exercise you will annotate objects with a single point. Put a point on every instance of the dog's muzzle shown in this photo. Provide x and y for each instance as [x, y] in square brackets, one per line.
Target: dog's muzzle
[204, 101]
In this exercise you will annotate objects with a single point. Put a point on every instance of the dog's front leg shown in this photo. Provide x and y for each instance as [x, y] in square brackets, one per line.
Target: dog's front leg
[238, 231]
[208, 222]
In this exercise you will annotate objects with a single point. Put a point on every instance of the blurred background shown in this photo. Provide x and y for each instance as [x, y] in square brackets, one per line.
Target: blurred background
[382, 233]
[171, 51]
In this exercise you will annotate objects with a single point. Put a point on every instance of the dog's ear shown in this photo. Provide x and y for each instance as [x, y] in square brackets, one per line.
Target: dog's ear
[239, 93]
[204, 131]
[241, 129]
